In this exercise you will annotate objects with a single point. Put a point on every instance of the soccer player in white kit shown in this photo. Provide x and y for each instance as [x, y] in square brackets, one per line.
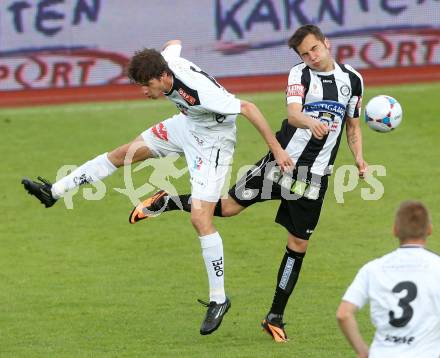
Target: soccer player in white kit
[403, 289]
[204, 132]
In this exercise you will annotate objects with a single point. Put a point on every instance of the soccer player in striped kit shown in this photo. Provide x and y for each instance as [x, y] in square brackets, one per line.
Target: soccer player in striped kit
[322, 97]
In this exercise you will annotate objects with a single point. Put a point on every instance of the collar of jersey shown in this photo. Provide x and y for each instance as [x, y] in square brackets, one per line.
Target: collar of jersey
[172, 87]
[411, 246]
[327, 73]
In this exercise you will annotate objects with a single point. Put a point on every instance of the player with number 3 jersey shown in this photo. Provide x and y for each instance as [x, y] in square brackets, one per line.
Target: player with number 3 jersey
[403, 289]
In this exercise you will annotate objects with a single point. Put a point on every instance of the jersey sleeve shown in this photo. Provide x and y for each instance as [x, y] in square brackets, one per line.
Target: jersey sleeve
[171, 51]
[357, 292]
[295, 90]
[354, 105]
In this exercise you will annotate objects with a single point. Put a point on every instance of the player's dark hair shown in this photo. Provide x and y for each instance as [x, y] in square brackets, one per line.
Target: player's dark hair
[146, 65]
[412, 220]
[299, 35]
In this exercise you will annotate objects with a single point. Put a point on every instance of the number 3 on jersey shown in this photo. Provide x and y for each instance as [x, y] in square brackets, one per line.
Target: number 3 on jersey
[404, 303]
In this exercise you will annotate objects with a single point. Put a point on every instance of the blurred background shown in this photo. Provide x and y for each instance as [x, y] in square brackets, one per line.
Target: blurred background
[54, 51]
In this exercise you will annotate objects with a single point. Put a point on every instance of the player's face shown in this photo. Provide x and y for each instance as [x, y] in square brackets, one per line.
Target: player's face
[155, 87]
[316, 53]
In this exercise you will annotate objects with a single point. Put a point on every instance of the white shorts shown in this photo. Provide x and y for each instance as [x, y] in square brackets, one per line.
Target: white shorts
[208, 152]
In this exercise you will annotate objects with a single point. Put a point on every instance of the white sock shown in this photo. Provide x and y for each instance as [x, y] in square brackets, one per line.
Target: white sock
[212, 251]
[91, 171]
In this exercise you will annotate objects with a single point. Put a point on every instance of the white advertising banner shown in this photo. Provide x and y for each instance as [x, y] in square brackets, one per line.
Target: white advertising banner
[71, 43]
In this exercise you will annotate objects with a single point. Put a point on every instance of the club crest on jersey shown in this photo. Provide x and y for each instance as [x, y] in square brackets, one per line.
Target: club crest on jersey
[160, 131]
[295, 90]
[186, 96]
[345, 90]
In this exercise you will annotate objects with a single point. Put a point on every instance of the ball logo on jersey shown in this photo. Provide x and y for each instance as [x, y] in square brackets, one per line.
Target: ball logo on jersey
[295, 90]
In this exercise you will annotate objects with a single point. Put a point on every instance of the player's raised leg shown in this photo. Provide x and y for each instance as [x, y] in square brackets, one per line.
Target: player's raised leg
[93, 170]
[236, 201]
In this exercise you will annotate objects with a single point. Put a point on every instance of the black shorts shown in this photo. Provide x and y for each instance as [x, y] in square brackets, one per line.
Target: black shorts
[301, 194]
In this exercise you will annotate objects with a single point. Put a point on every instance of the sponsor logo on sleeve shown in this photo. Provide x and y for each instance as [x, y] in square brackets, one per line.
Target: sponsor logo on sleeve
[295, 90]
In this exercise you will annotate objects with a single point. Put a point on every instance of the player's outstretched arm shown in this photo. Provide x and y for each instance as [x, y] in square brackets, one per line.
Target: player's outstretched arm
[354, 139]
[298, 119]
[348, 325]
[254, 115]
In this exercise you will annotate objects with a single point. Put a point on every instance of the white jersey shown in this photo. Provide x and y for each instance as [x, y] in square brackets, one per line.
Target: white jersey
[197, 95]
[328, 97]
[403, 289]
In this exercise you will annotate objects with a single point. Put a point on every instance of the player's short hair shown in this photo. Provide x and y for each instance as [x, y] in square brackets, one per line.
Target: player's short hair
[412, 220]
[146, 65]
[299, 35]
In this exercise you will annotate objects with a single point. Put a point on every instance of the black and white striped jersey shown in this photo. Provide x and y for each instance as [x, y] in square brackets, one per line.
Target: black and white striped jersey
[328, 97]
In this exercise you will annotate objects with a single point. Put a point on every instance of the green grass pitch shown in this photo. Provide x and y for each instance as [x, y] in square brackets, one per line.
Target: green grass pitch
[85, 283]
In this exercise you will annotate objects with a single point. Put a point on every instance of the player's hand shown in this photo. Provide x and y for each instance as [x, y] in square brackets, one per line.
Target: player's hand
[283, 160]
[319, 129]
[362, 166]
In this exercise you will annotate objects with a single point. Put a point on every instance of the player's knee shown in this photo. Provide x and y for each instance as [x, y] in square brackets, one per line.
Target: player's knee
[201, 222]
[117, 156]
[195, 220]
[121, 155]
[296, 244]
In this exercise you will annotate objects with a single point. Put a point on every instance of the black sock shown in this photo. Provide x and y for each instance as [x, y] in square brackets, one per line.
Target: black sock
[286, 281]
[183, 202]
